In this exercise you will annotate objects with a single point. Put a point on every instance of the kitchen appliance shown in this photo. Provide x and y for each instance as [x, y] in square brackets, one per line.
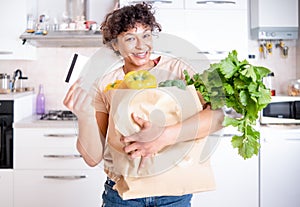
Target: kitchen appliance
[76, 10]
[282, 110]
[4, 83]
[18, 81]
[271, 20]
[6, 135]
[59, 115]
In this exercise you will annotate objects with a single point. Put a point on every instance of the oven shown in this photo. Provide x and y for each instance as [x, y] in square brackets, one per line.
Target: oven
[6, 134]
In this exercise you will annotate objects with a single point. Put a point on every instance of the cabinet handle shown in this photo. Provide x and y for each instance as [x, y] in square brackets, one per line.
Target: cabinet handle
[62, 156]
[60, 135]
[6, 52]
[65, 177]
[154, 1]
[215, 2]
[292, 139]
[212, 52]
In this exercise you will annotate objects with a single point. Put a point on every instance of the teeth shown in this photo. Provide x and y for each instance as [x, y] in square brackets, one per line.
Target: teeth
[140, 54]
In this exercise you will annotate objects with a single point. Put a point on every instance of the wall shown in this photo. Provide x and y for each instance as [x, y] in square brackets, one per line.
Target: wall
[284, 68]
[50, 69]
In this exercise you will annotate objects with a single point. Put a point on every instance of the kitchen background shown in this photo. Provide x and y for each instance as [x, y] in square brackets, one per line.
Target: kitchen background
[52, 63]
[41, 153]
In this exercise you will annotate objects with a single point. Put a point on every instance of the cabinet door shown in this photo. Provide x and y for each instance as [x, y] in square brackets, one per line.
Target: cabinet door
[211, 31]
[217, 32]
[13, 24]
[6, 189]
[58, 188]
[236, 179]
[46, 148]
[280, 169]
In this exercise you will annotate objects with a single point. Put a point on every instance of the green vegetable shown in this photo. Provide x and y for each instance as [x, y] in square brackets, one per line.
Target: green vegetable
[238, 85]
[168, 83]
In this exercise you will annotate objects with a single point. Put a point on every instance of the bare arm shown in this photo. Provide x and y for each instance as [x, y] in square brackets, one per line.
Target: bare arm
[91, 125]
[152, 139]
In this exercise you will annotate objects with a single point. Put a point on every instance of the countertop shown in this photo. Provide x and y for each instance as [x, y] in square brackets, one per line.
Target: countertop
[35, 122]
[14, 95]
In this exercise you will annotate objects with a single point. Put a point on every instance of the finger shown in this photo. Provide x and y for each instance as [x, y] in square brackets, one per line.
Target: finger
[135, 154]
[139, 121]
[131, 148]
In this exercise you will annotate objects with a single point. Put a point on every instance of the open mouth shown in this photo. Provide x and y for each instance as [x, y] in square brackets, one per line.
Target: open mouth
[141, 54]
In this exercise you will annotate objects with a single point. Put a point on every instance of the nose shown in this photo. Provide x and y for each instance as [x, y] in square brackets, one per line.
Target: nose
[140, 43]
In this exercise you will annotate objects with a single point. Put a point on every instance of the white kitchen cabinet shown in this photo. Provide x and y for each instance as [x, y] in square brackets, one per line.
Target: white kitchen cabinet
[6, 190]
[13, 23]
[236, 179]
[279, 166]
[63, 188]
[48, 170]
[214, 29]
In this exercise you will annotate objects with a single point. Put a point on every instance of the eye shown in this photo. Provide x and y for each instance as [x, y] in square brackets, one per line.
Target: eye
[147, 35]
[130, 39]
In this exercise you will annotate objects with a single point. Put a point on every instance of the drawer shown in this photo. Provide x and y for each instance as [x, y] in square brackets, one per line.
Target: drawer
[39, 138]
[48, 158]
[63, 188]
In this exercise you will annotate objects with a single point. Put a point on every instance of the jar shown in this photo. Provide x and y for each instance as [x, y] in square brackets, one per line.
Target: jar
[270, 83]
[294, 88]
[4, 83]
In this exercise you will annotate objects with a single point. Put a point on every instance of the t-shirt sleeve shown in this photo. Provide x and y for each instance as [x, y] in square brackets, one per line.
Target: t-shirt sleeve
[99, 101]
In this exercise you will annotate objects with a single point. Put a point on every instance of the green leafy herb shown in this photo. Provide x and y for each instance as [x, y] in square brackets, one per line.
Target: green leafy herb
[238, 85]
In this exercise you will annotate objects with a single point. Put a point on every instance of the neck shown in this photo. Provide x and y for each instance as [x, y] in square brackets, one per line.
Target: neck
[129, 67]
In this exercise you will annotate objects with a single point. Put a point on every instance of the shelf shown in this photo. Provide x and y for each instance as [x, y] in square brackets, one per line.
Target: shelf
[64, 39]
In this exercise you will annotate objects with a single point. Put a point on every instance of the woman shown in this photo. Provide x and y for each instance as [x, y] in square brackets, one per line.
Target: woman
[129, 32]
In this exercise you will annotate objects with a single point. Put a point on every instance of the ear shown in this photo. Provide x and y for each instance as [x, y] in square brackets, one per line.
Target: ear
[115, 46]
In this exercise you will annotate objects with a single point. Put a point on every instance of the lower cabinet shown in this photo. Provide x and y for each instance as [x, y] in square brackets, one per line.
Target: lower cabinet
[6, 190]
[49, 171]
[63, 188]
[237, 180]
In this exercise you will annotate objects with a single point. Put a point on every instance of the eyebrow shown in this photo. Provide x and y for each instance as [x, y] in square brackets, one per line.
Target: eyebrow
[147, 30]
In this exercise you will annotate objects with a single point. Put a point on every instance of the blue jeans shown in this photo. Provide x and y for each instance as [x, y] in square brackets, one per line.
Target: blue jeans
[111, 198]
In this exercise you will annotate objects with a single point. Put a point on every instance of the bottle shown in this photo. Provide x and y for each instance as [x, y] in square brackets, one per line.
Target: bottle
[270, 83]
[40, 101]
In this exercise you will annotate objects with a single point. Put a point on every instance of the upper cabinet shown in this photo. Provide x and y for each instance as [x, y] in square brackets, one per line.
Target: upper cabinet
[13, 22]
[213, 27]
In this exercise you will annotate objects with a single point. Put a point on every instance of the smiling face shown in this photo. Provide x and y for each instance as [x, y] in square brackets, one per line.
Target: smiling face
[135, 46]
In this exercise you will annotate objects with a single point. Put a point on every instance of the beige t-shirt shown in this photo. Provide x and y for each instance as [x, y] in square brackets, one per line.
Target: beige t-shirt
[175, 171]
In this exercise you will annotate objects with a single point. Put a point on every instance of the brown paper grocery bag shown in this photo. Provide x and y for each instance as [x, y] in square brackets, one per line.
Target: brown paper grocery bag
[175, 170]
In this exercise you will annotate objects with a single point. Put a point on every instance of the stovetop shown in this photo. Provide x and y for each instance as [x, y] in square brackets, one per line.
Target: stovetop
[62, 115]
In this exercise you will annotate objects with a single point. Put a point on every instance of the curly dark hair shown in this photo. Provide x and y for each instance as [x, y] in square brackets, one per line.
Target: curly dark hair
[126, 18]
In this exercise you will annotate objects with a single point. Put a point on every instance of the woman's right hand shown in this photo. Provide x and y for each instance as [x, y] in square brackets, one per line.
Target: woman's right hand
[79, 101]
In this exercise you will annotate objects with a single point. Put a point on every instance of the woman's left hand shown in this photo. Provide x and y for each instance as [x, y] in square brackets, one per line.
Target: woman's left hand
[149, 140]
